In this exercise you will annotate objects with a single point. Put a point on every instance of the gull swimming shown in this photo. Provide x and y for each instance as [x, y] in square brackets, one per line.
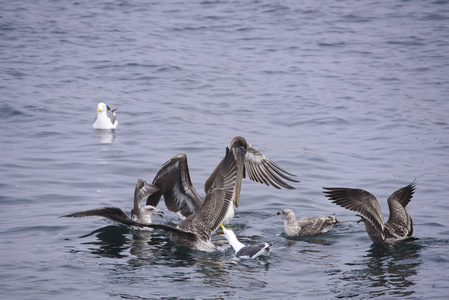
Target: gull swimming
[306, 226]
[399, 225]
[139, 216]
[243, 251]
[180, 196]
[105, 117]
[196, 230]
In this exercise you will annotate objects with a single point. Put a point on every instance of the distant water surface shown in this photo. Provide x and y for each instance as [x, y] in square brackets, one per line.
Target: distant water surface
[340, 93]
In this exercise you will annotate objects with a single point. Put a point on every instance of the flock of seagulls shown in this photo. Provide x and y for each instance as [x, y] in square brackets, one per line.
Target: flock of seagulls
[200, 218]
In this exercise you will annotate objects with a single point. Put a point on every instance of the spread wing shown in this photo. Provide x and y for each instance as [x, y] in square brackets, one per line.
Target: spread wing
[359, 201]
[260, 169]
[219, 197]
[403, 195]
[112, 213]
[173, 181]
[399, 223]
[143, 190]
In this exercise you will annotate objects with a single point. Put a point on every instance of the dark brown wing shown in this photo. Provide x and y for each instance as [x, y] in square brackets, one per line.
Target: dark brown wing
[112, 213]
[399, 223]
[173, 180]
[403, 195]
[219, 197]
[262, 169]
[359, 201]
[259, 168]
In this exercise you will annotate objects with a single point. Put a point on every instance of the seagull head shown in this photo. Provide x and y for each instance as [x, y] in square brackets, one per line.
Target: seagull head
[151, 210]
[102, 107]
[284, 212]
[228, 234]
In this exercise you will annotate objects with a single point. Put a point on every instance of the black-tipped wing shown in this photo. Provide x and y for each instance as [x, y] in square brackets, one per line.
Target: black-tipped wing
[111, 114]
[143, 190]
[253, 251]
[261, 169]
[173, 180]
[219, 197]
[359, 201]
[112, 213]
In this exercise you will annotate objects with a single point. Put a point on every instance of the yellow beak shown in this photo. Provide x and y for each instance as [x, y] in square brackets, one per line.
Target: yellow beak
[222, 227]
[98, 109]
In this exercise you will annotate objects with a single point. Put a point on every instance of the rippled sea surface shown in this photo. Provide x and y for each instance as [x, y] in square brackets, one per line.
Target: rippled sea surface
[340, 93]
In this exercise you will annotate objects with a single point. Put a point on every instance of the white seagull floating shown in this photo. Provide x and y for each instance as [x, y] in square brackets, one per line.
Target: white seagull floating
[105, 117]
[243, 251]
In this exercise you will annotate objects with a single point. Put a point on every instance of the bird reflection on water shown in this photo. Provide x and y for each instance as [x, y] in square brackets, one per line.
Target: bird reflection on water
[383, 271]
[114, 242]
[105, 136]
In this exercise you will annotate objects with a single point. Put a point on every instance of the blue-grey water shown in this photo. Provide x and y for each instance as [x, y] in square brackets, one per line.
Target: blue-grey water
[340, 93]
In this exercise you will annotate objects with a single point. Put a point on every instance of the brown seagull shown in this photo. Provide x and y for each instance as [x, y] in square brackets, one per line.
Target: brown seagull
[173, 180]
[399, 225]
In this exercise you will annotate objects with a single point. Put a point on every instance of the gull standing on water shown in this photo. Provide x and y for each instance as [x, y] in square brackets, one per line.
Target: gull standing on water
[306, 226]
[399, 225]
[243, 251]
[105, 117]
[139, 216]
[180, 196]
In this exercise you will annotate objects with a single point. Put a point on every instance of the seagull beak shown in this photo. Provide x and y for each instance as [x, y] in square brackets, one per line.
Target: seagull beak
[159, 213]
[98, 110]
[222, 227]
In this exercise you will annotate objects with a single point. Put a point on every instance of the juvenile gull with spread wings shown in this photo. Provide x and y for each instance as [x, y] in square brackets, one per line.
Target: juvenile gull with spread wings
[139, 215]
[196, 230]
[306, 226]
[399, 225]
[105, 117]
[180, 196]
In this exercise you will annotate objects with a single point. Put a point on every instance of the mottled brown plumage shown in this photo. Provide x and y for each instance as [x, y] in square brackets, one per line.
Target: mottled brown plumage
[399, 225]
[173, 180]
[306, 226]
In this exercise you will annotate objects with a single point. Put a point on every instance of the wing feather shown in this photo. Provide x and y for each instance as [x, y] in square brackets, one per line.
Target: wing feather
[219, 197]
[173, 180]
[263, 170]
[360, 201]
[113, 213]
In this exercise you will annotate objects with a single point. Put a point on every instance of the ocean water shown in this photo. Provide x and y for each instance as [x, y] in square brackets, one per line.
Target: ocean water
[340, 93]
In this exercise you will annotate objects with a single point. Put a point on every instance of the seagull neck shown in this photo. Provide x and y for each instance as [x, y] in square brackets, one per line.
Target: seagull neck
[235, 243]
[290, 217]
